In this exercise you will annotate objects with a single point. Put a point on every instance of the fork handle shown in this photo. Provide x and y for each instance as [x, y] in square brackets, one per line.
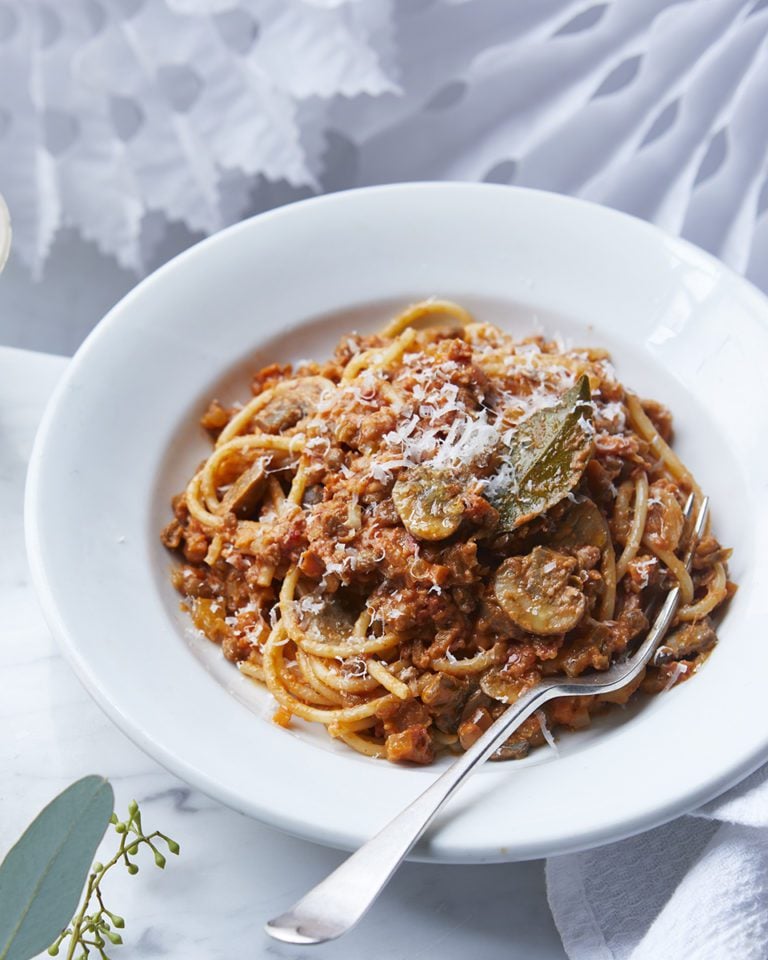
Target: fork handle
[338, 902]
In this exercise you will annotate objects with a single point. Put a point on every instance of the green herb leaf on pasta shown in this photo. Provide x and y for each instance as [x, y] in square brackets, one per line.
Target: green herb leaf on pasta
[546, 457]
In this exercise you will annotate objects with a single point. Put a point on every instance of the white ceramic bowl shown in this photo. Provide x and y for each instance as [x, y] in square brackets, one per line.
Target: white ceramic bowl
[120, 436]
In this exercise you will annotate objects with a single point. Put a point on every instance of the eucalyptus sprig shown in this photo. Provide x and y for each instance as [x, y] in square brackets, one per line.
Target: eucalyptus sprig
[43, 874]
[94, 924]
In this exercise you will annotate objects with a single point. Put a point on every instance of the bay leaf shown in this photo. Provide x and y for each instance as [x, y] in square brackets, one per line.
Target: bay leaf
[545, 458]
[43, 874]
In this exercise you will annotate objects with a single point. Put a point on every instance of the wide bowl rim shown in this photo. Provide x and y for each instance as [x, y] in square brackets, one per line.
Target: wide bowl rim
[132, 726]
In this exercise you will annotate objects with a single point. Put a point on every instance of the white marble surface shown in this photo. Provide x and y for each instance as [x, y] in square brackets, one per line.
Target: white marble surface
[233, 873]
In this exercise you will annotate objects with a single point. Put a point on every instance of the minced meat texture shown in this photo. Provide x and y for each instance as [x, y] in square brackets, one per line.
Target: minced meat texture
[431, 566]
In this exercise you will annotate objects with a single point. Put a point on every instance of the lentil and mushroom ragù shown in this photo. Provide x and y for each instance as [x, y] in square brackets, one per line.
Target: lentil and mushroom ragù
[401, 541]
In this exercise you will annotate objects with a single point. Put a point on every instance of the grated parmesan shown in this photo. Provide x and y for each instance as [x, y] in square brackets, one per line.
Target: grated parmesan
[547, 733]
[679, 670]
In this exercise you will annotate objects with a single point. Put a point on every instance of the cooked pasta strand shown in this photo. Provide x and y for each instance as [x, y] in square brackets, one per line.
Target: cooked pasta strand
[369, 748]
[639, 515]
[277, 682]
[642, 423]
[481, 661]
[379, 671]
[354, 541]
[717, 592]
[431, 310]
[676, 567]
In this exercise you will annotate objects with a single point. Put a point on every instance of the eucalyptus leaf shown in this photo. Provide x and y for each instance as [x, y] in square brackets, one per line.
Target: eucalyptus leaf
[43, 875]
[546, 457]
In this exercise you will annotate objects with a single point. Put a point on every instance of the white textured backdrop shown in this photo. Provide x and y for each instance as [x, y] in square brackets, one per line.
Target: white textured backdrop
[139, 125]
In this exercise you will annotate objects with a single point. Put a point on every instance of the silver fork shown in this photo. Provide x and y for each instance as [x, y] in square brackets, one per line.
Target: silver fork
[337, 903]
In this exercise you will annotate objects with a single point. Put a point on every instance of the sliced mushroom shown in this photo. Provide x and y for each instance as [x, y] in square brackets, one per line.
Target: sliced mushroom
[312, 495]
[475, 700]
[443, 690]
[687, 642]
[429, 503]
[325, 619]
[292, 401]
[512, 750]
[583, 525]
[538, 592]
[445, 695]
[503, 687]
[582, 653]
[528, 734]
[475, 726]
[244, 495]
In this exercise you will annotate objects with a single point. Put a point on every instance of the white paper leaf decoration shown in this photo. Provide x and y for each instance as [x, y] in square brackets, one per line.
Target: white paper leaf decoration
[5, 233]
[117, 116]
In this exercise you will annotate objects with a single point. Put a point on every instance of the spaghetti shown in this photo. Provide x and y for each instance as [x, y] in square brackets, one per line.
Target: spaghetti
[348, 541]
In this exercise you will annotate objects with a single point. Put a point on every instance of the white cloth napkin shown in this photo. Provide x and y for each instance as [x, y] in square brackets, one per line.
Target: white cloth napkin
[694, 889]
